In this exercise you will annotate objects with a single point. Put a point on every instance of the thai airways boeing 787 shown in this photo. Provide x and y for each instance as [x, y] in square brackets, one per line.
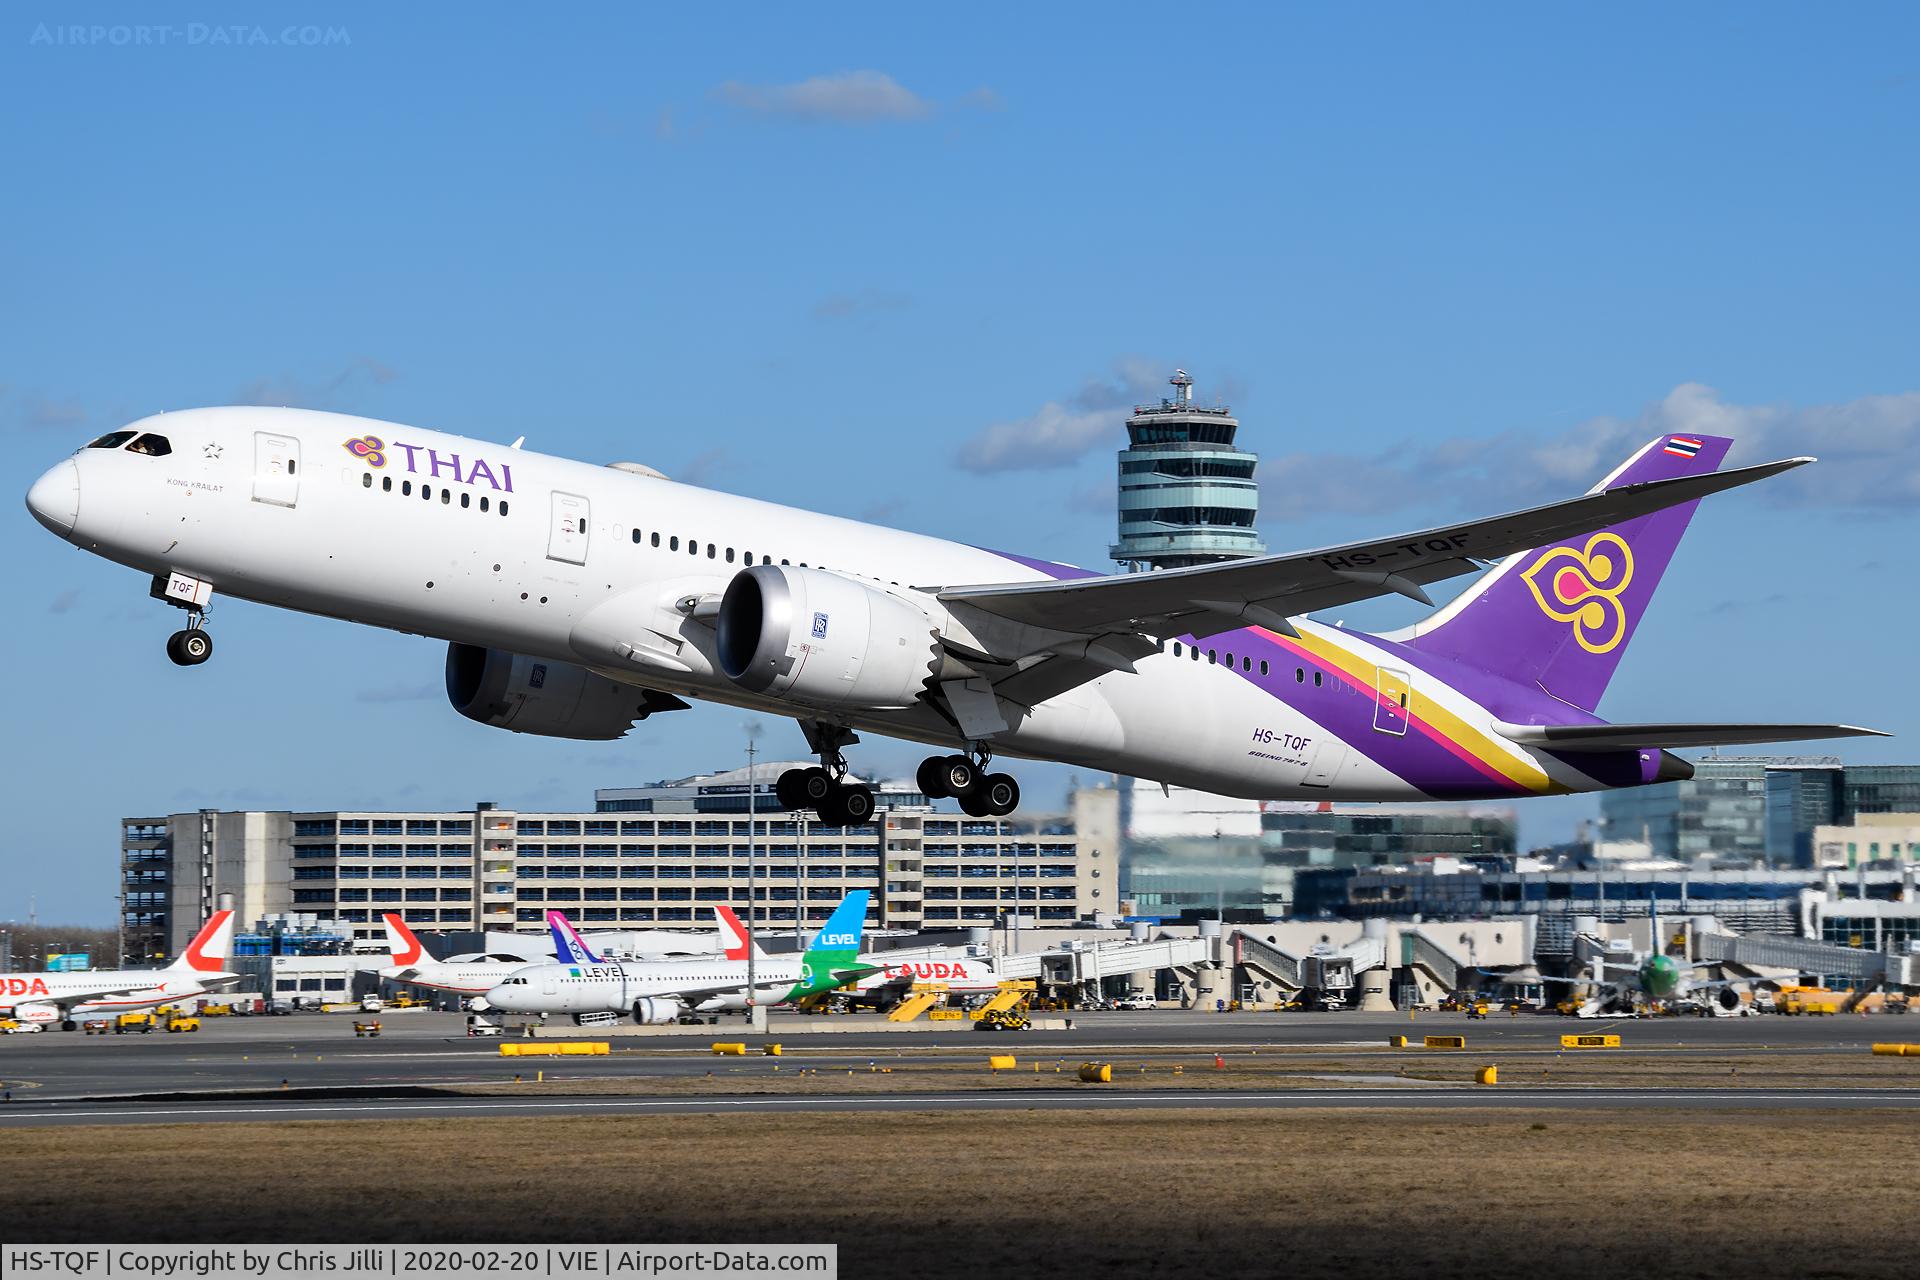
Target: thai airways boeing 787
[577, 599]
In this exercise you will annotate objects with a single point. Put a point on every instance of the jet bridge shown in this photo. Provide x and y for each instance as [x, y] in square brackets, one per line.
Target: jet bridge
[1073, 964]
[1773, 951]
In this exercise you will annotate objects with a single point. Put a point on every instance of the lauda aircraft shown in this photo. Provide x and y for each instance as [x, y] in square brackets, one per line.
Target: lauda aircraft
[577, 599]
[66, 998]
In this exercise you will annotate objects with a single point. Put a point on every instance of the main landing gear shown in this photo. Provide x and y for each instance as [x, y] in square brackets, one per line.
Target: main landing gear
[824, 788]
[964, 778]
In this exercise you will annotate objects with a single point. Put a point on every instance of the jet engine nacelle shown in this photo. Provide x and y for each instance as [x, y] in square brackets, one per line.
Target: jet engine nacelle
[655, 1012]
[40, 1013]
[823, 639]
[1727, 999]
[532, 695]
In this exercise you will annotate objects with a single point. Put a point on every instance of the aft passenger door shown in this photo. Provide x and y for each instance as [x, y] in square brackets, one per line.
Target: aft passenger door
[567, 538]
[276, 469]
[1390, 708]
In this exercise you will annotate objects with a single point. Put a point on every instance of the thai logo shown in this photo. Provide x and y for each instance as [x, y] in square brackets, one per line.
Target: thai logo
[372, 449]
[1582, 586]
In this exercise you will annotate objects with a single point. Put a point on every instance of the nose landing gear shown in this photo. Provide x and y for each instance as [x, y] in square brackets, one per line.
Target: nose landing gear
[191, 647]
[964, 778]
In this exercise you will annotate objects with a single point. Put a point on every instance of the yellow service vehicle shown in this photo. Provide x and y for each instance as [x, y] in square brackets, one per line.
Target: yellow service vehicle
[215, 1010]
[141, 1022]
[183, 1022]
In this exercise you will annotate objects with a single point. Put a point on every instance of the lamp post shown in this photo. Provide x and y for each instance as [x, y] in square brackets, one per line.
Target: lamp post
[756, 1012]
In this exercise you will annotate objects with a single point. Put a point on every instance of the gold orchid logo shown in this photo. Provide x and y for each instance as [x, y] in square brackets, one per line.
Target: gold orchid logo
[1582, 586]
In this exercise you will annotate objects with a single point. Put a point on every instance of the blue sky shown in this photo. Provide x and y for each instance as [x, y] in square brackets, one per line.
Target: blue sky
[1439, 260]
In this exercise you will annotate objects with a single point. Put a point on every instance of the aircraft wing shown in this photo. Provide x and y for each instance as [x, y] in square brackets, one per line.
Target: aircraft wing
[1201, 600]
[1630, 737]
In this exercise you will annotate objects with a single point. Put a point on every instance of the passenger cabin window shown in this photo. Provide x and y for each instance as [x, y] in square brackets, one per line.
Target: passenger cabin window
[366, 479]
[386, 483]
[483, 502]
[656, 539]
[112, 440]
[673, 543]
[153, 446]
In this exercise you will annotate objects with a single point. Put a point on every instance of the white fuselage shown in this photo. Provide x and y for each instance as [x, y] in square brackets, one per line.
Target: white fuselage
[611, 987]
[575, 563]
[96, 992]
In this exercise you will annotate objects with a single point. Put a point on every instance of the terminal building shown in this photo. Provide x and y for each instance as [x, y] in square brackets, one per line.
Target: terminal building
[644, 858]
[1742, 809]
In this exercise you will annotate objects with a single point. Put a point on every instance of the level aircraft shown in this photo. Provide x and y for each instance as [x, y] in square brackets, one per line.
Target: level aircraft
[577, 599]
[1620, 989]
[654, 992]
[474, 976]
[67, 998]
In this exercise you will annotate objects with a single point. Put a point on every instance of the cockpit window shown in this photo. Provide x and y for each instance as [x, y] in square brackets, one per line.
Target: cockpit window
[112, 440]
[151, 445]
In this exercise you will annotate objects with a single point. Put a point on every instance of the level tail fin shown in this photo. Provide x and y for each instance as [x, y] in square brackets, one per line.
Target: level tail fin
[211, 947]
[1561, 616]
[734, 938]
[406, 947]
[568, 946]
[841, 933]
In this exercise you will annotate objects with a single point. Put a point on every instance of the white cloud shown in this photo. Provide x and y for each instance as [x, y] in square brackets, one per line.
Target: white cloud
[848, 97]
[285, 389]
[1869, 450]
[1060, 432]
[843, 306]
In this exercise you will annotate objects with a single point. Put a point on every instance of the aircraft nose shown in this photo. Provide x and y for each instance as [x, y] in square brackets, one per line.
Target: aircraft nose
[55, 497]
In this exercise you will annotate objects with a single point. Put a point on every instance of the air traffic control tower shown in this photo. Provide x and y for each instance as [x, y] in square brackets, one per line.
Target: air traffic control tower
[1187, 496]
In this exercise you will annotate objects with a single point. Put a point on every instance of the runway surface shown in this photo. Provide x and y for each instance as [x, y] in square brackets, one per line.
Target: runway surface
[63, 1077]
[41, 1114]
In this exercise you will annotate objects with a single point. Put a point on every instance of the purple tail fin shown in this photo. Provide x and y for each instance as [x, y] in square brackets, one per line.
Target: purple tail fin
[1561, 616]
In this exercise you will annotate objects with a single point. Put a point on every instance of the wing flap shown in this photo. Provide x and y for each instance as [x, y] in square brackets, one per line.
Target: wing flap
[1679, 735]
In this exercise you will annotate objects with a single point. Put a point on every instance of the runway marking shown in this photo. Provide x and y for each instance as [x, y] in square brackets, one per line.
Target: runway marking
[1336, 1098]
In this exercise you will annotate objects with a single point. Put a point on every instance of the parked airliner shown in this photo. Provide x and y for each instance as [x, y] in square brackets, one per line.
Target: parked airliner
[473, 976]
[583, 983]
[577, 599]
[66, 998]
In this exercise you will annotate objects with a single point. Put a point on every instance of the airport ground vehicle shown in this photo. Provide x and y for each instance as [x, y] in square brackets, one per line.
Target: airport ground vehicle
[372, 1004]
[220, 1010]
[183, 1022]
[367, 1030]
[97, 1026]
[14, 1027]
[1003, 1020]
[1136, 1001]
[126, 1022]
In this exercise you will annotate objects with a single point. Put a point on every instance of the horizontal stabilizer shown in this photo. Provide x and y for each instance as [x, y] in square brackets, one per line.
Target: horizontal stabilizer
[1633, 737]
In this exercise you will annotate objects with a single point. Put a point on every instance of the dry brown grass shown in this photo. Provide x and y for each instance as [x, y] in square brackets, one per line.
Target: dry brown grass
[1213, 1194]
[1264, 1071]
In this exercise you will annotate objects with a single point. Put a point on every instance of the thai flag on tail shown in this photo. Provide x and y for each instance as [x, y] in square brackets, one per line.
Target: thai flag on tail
[1684, 446]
